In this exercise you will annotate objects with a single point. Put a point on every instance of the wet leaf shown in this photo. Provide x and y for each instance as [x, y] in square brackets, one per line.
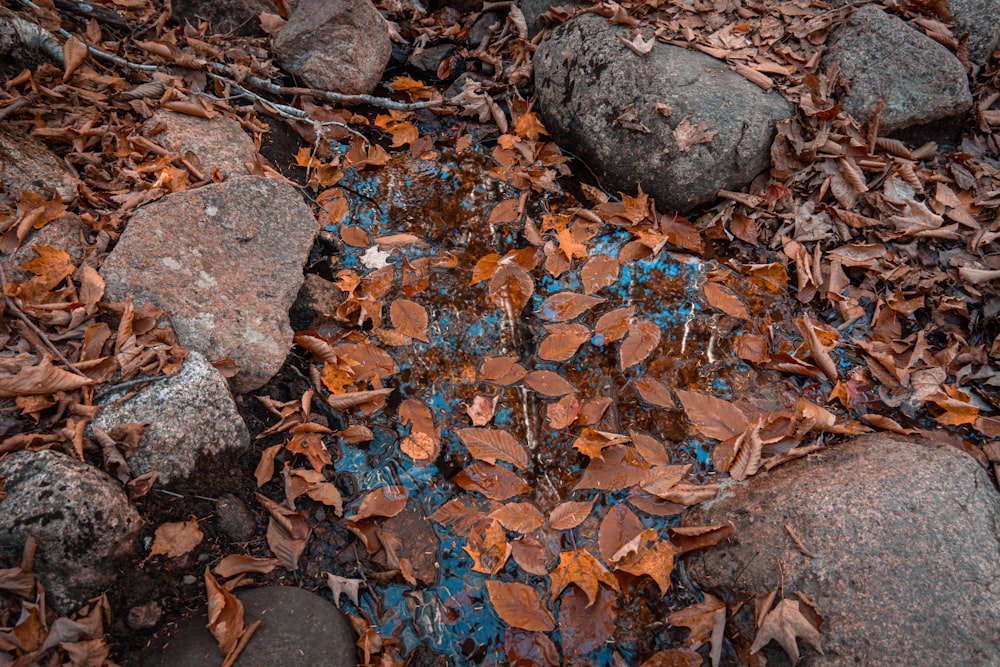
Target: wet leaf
[618, 470]
[548, 383]
[563, 341]
[176, 538]
[458, 516]
[492, 445]
[585, 627]
[706, 621]
[675, 657]
[566, 306]
[655, 393]
[531, 555]
[410, 318]
[718, 297]
[519, 517]
[648, 554]
[423, 443]
[712, 417]
[343, 586]
[613, 325]
[643, 337]
[753, 348]
[519, 606]
[785, 624]
[570, 514]
[592, 443]
[493, 481]
[482, 409]
[225, 620]
[661, 479]
[563, 412]
[488, 549]
[600, 271]
[529, 649]
[689, 538]
[502, 370]
[385, 501]
[593, 410]
[511, 288]
[649, 448]
[619, 526]
[581, 569]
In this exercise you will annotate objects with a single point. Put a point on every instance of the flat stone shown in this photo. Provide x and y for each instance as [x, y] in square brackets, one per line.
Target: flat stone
[217, 142]
[905, 544]
[80, 517]
[593, 92]
[192, 418]
[299, 629]
[877, 54]
[224, 261]
[338, 45]
[27, 164]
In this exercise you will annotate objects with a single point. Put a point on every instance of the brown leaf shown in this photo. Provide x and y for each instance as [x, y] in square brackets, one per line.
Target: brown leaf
[530, 649]
[687, 134]
[225, 620]
[661, 479]
[585, 627]
[511, 288]
[706, 621]
[563, 412]
[592, 442]
[566, 306]
[356, 237]
[548, 383]
[265, 467]
[649, 448]
[618, 527]
[655, 393]
[237, 564]
[502, 370]
[570, 514]
[492, 445]
[618, 470]
[423, 443]
[785, 624]
[519, 606]
[563, 341]
[583, 570]
[176, 538]
[74, 53]
[39, 380]
[718, 297]
[753, 348]
[384, 501]
[482, 409]
[409, 318]
[681, 233]
[643, 338]
[356, 398]
[343, 586]
[532, 555]
[648, 554]
[613, 325]
[488, 549]
[675, 657]
[712, 417]
[493, 481]
[593, 410]
[519, 517]
[458, 516]
[689, 538]
[51, 266]
[600, 271]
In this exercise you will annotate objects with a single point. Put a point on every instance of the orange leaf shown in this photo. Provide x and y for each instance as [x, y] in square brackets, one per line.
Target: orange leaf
[510, 289]
[176, 538]
[385, 501]
[599, 271]
[583, 570]
[655, 393]
[648, 554]
[718, 297]
[619, 526]
[519, 606]
[409, 318]
[712, 417]
[493, 481]
[502, 370]
[548, 383]
[643, 338]
[570, 514]
[519, 517]
[563, 341]
[613, 325]
[566, 306]
[492, 445]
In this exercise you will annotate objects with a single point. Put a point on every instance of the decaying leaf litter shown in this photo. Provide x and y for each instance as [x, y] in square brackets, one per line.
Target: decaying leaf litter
[540, 383]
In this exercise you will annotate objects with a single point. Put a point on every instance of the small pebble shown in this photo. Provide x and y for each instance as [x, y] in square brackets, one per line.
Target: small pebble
[144, 616]
[234, 518]
[189, 580]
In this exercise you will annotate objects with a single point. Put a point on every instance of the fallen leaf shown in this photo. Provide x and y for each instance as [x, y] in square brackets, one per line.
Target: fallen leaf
[502, 370]
[675, 657]
[613, 325]
[482, 409]
[519, 606]
[655, 393]
[225, 620]
[492, 445]
[618, 470]
[519, 517]
[563, 341]
[511, 288]
[718, 297]
[785, 624]
[385, 501]
[581, 569]
[493, 481]
[343, 586]
[570, 514]
[687, 134]
[712, 417]
[41, 379]
[176, 538]
[409, 318]
[643, 337]
[563, 412]
[566, 306]
[586, 626]
[548, 383]
[529, 649]
[423, 443]
[648, 554]
[600, 271]
[236, 564]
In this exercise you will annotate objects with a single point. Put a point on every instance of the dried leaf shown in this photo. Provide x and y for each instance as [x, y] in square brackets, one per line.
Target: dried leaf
[563, 341]
[619, 526]
[585, 627]
[493, 481]
[570, 514]
[785, 624]
[492, 445]
[384, 501]
[343, 586]
[519, 606]
[41, 379]
[712, 417]
[648, 554]
[718, 297]
[548, 383]
[643, 338]
[655, 393]
[236, 564]
[583, 570]
[618, 470]
[566, 306]
[563, 412]
[519, 517]
[502, 370]
[176, 538]
[530, 649]
[409, 318]
[613, 325]
[600, 271]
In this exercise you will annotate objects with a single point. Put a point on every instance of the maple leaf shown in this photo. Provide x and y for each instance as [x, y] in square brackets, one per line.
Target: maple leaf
[785, 624]
[648, 554]
[687, 134]
[343, 586]
[640, 46]
[583, 570]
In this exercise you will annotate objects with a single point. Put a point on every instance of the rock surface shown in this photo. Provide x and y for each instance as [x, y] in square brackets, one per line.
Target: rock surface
[80, 517]
[594, 91]
[192, 421]
[906, 545]
[338, 45]
[27, 164]
[224, 262]
[66, 234]
[219, 142]
[300, 629]
[877, 55]
[981, 19]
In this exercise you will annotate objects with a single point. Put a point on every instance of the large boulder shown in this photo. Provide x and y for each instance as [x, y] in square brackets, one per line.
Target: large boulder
[67, 233]
[338, 45]
[904, 544]
[27, 164]
[299, 629]
[679, 123]
[217, 142]
[224, 262]
[192, 421]
[877, 54]
[981, 20]
[80, 517]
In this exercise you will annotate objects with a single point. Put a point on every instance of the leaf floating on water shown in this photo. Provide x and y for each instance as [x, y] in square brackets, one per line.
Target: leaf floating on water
[570, 514]
[385, 501]
[618, 527]
[424, 441]
[502, 370]
[618, 470]
[566, 306]
[649, 448]
[511, 288]
[643, 338]
[519, 606]
[718, 297]
[613, 325]
[482, 409]
[533, 649]
[583, 570]
[648, 554]
[655, 392]
[409, 318]
[493, 481]
[563, 412]
[548, 383]
[712, 417]
[519, 517]
[492, 445]
[600, 271]
[586, 626]
[675, 657]
[563, 341]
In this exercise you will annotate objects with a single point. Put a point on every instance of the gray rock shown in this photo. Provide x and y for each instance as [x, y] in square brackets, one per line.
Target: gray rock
[428, 60]
[533, 8]
[981, 19]
[217, 142]
[906, 551]
[234, 518]
[80, 517]
[317, 300]
[878, 56]
[299, 629]
[27, 164]
[192, 420]
[66, 234]
[588, 81]
[228, 17]
[225, 262]
[338, 45]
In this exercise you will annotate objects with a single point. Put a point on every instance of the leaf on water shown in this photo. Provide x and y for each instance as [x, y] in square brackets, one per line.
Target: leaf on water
[458, 516]
[410, 318]
[548, 383]
[585, 627]
[661, 479]
[583, 570]
[482, 409]
[356, 237]
[356, 398]
[532, 555]
[570, 514]
[563, 412]
[39, 380]
[343, 586]
[493, 481]
[485, 268]
[681, 233]
[176, 538]
[504, 212]
[786, 624]
[712, 417]
[613, 325]
[643, 337]
[566, 306]
[593, 410]
[488, 548]
[618, 470]
[619, 526]
[492, 445]
[675, 657]
[563, 341]
[649, 448]
[519, 517]
[600, 271]
[423, 443]
[655, 393]
[690, 494]
[753, 348]
[519, 606]
[386, 501]
[648, 554]
[719, 297]
[511, 288]
[530, 649]
[592, 442]
[502, 370]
